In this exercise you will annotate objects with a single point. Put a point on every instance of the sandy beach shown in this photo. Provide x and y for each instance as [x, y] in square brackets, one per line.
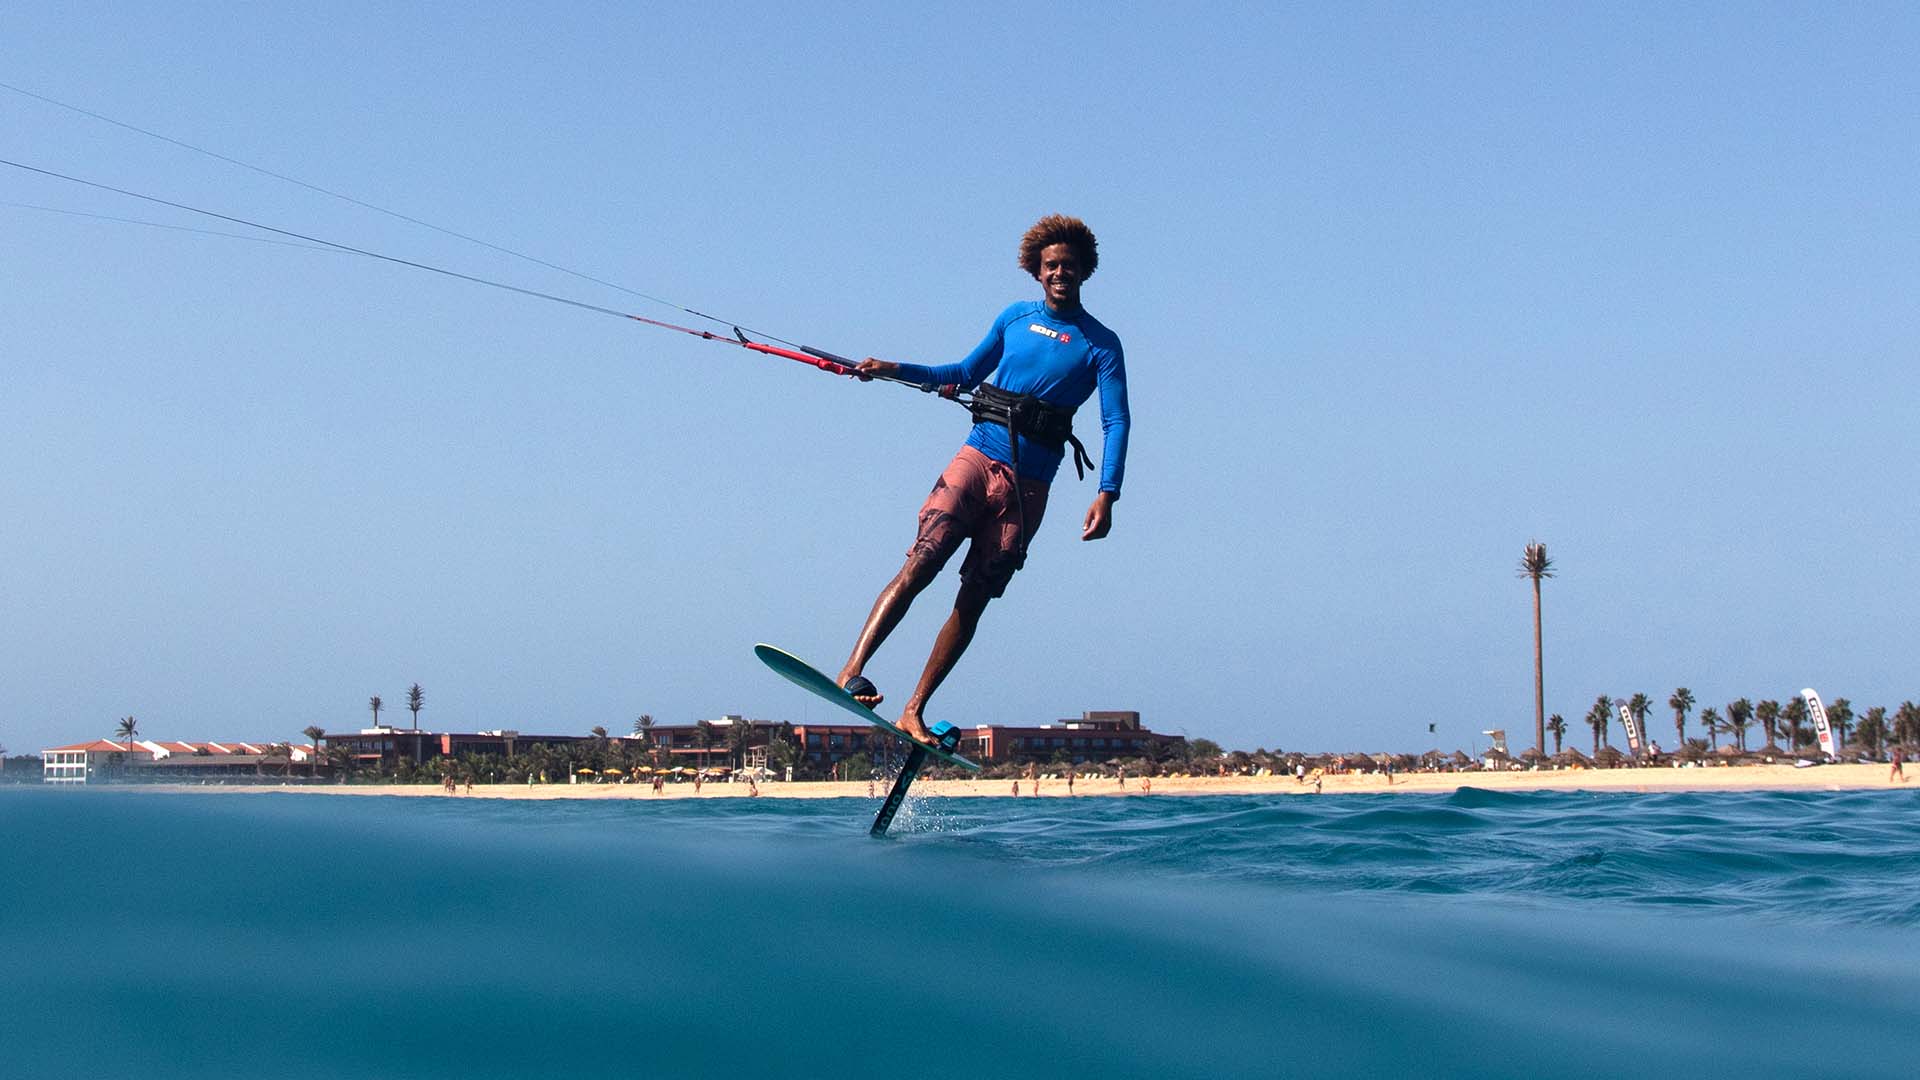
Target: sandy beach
[1736, 778]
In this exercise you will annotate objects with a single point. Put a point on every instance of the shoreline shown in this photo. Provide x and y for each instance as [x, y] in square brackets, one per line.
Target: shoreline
[1778, 777]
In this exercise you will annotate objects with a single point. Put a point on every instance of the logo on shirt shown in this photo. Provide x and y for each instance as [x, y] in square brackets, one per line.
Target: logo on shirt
[1062, 338]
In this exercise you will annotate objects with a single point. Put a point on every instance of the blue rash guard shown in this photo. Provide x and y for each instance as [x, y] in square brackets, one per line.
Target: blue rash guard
[1060, 360]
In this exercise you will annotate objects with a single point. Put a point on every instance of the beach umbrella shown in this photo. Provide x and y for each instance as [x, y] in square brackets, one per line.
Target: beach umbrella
[614, 772]
[584, 771]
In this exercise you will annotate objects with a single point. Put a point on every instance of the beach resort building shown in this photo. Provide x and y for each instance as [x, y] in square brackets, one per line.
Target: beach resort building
[1098, 736]
[1094, 737]
[87, 762]
[147, 760]
[389, 744]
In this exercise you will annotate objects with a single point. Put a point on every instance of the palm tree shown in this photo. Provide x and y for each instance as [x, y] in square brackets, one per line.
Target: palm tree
[313, 735]
[276, 752]
[1739, 715]
[1794, 712]
[703, 736]
[1681, 703]
[738, 736]
[1840, 715]
[1872, 732]
[1768, 713]
[1534, 564]
[1906, 724]
[342, 760]
[1597, 718]
[416, 700]
[376, 705]
[1710, 720]
[1557, 724]
[1639, 705]
[128, 729]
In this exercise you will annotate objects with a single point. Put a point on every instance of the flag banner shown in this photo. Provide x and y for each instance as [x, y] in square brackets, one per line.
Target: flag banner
[1820, 725]
[1631, 724]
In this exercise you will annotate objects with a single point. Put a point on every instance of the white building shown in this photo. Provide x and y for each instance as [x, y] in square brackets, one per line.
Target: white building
[96, 761]
[84, 762]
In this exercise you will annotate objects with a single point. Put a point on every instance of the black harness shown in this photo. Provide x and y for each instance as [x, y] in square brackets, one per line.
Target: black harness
[1024, 414]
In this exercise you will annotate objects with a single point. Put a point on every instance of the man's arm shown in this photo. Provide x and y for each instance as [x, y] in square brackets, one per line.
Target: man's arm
[1099, 520]
[1115, 422]
[966, 373]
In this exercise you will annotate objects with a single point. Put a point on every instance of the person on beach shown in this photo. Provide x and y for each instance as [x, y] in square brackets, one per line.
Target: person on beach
[1046, 357]
[1897, 773]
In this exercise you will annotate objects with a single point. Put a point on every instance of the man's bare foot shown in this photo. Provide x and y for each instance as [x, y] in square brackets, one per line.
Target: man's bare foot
[861, 688]
[915, 729]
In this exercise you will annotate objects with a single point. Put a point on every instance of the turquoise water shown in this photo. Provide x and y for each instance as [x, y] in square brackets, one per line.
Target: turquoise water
[1474, 934]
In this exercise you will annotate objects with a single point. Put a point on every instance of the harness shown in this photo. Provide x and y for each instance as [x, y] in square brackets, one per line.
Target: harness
[1023, 415]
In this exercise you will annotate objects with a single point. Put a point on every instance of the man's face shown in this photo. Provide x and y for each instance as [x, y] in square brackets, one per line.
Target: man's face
[1060, 277]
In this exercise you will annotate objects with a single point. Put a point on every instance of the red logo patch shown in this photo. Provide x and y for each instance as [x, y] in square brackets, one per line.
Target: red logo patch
[1064, 338]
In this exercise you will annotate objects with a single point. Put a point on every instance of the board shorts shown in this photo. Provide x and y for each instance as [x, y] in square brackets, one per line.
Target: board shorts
[974, 500]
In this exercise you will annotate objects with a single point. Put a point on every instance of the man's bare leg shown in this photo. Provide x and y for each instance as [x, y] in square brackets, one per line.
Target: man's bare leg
[888, 609]
[953, 640]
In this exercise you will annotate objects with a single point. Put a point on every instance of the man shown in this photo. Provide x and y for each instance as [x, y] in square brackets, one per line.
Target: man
[1047, 358]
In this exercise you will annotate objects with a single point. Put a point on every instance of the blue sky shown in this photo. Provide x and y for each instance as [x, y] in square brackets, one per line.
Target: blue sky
[1402, 288]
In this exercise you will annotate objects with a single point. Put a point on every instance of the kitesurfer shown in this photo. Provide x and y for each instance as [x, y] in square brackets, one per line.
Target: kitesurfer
[1047, 357]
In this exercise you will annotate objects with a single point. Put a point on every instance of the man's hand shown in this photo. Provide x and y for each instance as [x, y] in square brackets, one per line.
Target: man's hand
[1099, 517]
[870, 367]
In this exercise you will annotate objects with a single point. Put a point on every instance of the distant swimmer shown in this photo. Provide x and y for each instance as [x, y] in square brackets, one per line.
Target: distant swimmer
[1046, 358]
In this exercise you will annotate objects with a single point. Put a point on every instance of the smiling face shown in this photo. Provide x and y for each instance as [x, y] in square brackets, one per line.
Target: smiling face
[1060, 276]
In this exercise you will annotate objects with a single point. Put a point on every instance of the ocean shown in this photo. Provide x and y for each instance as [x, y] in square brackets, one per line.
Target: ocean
[1394, 935]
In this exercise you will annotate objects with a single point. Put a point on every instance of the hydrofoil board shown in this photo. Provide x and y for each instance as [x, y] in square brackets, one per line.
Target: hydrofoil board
[803, 674]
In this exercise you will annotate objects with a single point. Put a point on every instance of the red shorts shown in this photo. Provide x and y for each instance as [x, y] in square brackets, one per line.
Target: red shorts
[974, 500]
